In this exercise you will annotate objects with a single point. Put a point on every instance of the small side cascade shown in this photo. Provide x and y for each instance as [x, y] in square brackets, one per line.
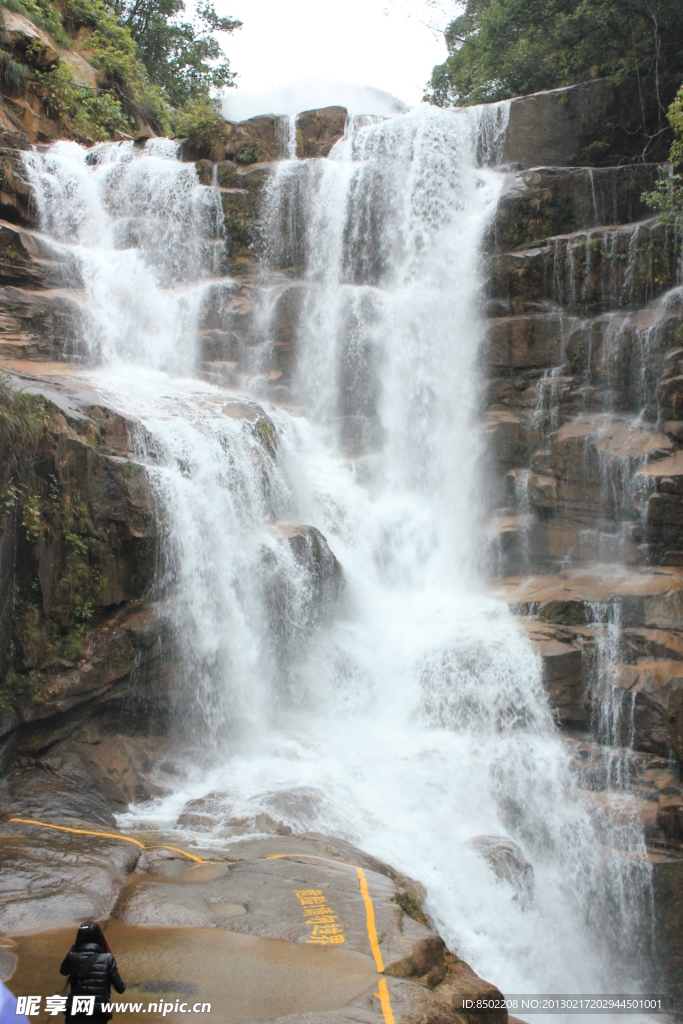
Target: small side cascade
[612, 708]
[490, 124]
[286, 135]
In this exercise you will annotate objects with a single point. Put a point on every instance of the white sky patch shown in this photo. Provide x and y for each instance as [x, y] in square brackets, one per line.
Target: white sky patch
[295, 54]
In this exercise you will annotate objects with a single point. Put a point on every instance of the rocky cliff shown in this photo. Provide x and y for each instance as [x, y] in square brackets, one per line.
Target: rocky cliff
[581, 411]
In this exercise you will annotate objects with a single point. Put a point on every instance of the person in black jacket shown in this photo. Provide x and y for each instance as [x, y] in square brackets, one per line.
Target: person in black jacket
[92, 970]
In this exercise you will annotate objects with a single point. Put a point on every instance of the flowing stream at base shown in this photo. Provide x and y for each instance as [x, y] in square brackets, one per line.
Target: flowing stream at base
[405, 713]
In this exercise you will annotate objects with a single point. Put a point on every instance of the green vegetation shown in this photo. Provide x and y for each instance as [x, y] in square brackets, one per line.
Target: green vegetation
[183, 58]
[152, 67]
[13, 74]
[23, 425]
[503, 48]
[52, 519]
[411, 906]
[89, 117]
[667, 196]
[203, 125]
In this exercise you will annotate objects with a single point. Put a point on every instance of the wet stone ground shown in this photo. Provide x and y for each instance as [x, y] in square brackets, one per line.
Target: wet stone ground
[284, 928]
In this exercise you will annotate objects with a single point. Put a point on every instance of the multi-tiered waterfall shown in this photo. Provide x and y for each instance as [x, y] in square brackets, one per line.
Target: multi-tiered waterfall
[400, 708]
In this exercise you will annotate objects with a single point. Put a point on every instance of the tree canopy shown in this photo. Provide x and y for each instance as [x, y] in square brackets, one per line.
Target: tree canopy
[183, 58]
[667, 197]
[153, 67]
[503, 48]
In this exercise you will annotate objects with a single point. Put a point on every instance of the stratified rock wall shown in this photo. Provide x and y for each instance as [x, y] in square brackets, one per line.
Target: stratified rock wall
[581, 413]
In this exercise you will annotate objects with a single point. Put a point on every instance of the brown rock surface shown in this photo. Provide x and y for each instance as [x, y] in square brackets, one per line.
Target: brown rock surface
[549, 128]
[176, 925]
[549, 201]
[318, 130]
[257, 140]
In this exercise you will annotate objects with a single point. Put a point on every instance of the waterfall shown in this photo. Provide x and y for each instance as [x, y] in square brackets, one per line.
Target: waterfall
[404, 711]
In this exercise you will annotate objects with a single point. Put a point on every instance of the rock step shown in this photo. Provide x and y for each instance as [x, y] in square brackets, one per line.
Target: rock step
[645, 596]
[588, 271]
[600, 482]
[547, 201]
[610, 641]
[28, 260]
[606, 350]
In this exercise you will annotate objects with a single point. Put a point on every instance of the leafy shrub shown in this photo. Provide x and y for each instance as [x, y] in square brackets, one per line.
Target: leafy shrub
[667, 196]
[88, 117]
[23, 424]
[675, 116]
[13, 74]
[247, 154]
[203, 125]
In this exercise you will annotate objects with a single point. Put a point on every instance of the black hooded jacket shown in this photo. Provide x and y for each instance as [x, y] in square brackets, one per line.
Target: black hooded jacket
[92, 972]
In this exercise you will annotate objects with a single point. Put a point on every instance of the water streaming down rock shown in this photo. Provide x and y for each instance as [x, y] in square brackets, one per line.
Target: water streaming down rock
[406, 713]
[137, 228]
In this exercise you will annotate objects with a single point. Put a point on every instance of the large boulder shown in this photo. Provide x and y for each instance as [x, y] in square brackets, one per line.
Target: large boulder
[508, 863]
[254, 141]
[301, 582]
[584, 124]
[318, 130]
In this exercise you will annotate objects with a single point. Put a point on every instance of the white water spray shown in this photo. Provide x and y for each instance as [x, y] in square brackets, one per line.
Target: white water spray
[408, 714]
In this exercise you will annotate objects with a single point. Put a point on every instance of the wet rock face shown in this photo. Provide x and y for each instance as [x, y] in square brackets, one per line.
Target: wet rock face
[549, 128]
[257, 140]
[587, 125]
[72, 630]
[604, 268]
[668, 893]
[7, 557]
[583, 425]
[46, 883]
[15, 190]
[318, 130]
[548, 201]
[301, 588]
[28, 262]
[508, 863]
[610, 644]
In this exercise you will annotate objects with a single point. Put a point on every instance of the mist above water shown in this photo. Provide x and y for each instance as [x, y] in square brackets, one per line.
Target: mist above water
[309, 94]
[408, 714]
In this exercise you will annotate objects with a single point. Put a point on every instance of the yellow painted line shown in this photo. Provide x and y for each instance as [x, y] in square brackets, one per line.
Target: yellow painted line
[370, 915]
[383, 989]
[106, 835]
[176, 849]
[383, 993]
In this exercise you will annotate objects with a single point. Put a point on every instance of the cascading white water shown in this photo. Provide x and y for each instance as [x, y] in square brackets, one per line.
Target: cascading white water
[409, 716]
